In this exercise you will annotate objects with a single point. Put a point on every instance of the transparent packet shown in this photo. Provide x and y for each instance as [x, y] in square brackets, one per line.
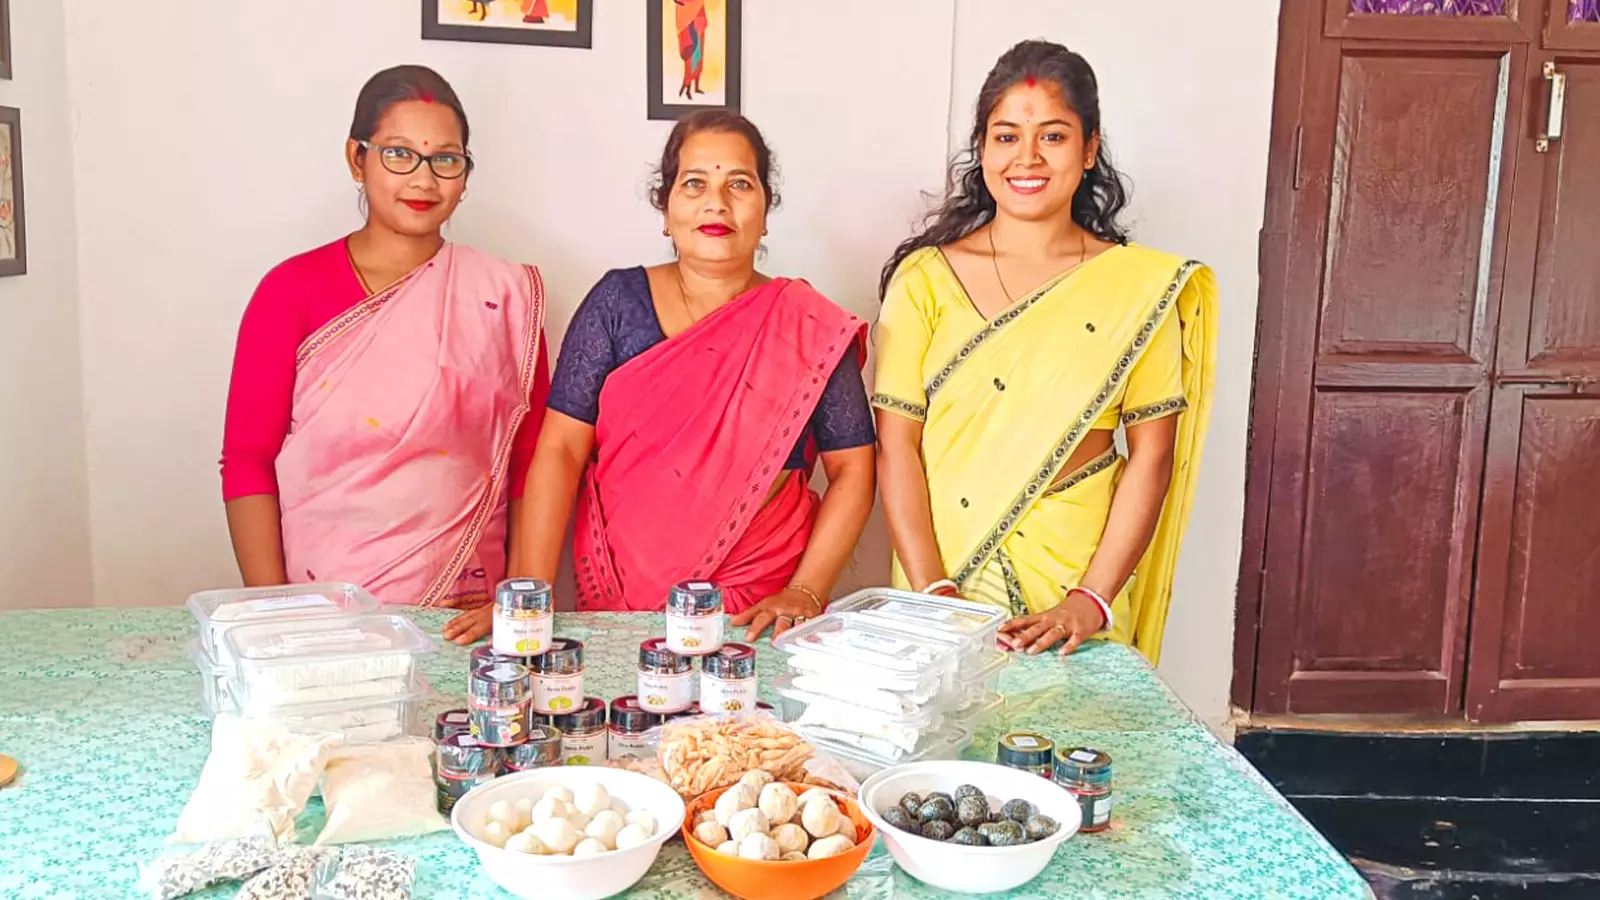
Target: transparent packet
[702, 753]
[365, 873]
[195, 867]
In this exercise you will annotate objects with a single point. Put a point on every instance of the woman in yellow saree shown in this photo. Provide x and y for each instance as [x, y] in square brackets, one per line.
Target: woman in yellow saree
[997, 408]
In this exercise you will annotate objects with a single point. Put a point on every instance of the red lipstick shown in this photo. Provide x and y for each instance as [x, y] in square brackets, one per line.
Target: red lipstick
[714, 229]
[420, 205]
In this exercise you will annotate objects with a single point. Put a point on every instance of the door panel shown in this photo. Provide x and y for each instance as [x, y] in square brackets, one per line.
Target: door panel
[1433, 20]
[1565, 325]
[1573, 25]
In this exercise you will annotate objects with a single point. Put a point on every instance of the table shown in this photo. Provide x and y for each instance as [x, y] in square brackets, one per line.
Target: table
[102, 709]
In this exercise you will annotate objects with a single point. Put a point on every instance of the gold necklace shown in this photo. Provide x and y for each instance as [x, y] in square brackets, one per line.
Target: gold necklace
[994, 257]
[683, 294]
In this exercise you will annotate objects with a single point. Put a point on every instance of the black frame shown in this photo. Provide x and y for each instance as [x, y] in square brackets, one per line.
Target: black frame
[582, 38]
[5, 39]
[661, 110]
[17, 265]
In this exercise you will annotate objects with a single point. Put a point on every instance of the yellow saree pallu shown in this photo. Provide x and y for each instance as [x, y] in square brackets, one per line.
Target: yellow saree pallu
[1127, 337]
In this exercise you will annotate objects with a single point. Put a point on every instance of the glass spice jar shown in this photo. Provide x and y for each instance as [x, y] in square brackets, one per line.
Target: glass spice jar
[632, 730]
[557, 677]
[694, 618]
[666, 679]
[463, 763]
[583, 733]
[728, 680]
[541, 749]
[451, 722]
[1026, 750]
[524, 617]
[499, 698]
[1086, 774]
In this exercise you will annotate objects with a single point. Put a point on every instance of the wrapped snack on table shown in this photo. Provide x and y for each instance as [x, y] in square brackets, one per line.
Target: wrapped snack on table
[700, 754]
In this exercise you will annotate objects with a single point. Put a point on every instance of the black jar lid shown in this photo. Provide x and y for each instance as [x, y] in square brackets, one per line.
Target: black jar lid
[524, 595]
[656, 657]
[461, 754]
[590, 716]
[694, 598]
[732, 662]
[628, 717]
[564, 657]
[500, 681]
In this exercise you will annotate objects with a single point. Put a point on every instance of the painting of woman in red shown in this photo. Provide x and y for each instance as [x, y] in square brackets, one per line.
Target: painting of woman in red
[691, 24]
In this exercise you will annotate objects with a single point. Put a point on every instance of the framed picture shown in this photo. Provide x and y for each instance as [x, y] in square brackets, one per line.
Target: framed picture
[5, 39]
[549, 23]
[13, 243]
[693, 53]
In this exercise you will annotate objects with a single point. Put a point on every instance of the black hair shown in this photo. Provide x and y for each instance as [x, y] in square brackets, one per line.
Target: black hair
[397, 85]
[712, 120]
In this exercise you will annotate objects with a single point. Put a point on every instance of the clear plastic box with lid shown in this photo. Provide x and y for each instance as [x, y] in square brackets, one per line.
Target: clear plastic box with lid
[220, 610]
[945, 743]
[302, 661]
[974, 627]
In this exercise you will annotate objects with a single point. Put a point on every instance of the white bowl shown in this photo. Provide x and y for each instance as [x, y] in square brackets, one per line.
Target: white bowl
[567, 877]
[957, 867]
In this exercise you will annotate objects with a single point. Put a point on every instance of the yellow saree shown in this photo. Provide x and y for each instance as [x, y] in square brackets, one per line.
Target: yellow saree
[1127, 337]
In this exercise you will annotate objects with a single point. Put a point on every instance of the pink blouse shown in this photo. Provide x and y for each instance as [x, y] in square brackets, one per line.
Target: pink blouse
[296, 298]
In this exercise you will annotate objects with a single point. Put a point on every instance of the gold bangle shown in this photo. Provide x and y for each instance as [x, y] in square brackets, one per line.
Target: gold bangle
[796, 586]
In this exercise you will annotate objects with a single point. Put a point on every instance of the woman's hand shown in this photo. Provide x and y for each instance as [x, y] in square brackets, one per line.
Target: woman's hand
[1072, 620]
[782, 611]
[470, 625]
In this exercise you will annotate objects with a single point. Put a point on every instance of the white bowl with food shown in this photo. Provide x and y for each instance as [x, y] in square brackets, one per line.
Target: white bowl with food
[964, 868]
[575, 832]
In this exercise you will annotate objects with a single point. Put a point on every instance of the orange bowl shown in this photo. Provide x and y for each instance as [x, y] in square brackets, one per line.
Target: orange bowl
[754, 879]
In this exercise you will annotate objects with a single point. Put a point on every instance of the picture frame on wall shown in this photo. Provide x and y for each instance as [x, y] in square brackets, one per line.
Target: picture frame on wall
[545, 23]
[13, 230]
[5, 39]
[693, 56]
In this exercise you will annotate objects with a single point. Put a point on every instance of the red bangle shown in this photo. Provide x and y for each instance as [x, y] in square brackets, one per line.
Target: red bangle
[1103, 603]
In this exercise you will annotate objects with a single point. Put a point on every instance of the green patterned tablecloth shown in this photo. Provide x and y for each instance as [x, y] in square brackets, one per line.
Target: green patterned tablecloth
[102, 709]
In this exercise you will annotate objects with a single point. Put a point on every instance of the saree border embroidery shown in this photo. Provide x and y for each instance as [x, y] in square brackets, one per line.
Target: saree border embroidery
[990, 330]
[1089, 469]
[1058, 454]
[1155, 410]
[345, 320]
[1008, 572]
[895, 404]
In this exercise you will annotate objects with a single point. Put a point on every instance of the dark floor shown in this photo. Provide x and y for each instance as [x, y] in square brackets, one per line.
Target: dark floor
[1448, 817]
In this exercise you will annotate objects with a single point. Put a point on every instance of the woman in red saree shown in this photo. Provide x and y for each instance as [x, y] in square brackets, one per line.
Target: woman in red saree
[691, 21]
[387, 387]
[689, 406]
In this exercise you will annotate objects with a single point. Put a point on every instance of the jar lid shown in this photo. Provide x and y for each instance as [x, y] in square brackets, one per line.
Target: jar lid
[499, 680]
[454, 721]
[1025, 748]
[524, 595]
[694, 598]
[630, 718]
[564, 657]
[1083, 764]
[542, 747]
[588, 717]
[484, 656]
[733, 661]
[463, 755]
[654, 655]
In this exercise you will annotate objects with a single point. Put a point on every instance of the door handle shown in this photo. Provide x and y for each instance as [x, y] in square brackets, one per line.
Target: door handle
[1555, 111]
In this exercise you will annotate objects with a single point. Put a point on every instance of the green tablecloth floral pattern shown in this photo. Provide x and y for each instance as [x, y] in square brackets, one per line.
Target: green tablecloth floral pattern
[102, 709]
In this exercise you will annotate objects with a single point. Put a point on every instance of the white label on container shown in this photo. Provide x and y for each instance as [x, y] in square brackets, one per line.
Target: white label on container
[557, 693]
[280, 604]
[1082, 756]
[583, 749]
[666, 693]
[877, 643]
[639, 746]
[1102, 811]
[915, 611]
[1025, 742]
[720, 695]
[312, 638]
[522, 635]
[701, 586]
[694, 635]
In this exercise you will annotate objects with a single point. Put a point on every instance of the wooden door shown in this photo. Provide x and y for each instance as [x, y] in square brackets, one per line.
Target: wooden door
[1535, 650]
[1407, 132]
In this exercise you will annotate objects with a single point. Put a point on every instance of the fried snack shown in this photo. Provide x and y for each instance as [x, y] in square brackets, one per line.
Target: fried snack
[703, 754]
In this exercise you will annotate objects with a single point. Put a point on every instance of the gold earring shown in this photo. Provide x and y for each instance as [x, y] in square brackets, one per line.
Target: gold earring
[666, 233]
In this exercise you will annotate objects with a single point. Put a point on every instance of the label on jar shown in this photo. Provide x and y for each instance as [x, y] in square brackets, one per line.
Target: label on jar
[623, 745]
[1102, 811]
[557, 693]
[583, 749]
[701, 586]
[666, 693]
[522, 633]
[1025, 742]
[499, 726]
[694, 635]
[279, 604]
[915, 611]
[1082, 756]
[721, 695]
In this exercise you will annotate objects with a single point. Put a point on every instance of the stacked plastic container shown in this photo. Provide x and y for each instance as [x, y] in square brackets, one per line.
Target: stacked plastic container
[888, 677]
[320, 657]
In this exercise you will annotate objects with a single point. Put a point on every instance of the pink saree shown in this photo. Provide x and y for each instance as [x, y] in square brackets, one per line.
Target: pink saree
[394, 472]
[691, 437]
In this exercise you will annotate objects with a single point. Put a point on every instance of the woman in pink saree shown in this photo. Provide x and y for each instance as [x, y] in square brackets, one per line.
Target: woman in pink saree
[690, 405]
[388, 386]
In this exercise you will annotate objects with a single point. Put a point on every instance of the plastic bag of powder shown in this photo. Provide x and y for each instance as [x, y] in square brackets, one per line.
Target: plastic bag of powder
[257, 770]
[375, 792]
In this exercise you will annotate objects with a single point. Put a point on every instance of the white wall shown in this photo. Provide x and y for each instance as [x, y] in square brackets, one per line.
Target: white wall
[1186, 103]
[228, 159]
[44, 534]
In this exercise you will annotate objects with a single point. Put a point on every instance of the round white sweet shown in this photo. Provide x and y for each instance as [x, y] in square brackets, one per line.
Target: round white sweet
[632, 836]
[793, 857]
[591, 798]
[814, 794]
[503, 812]
[589, 847]
[820, 819]
[549, 808]
[746, 822]
[757, 779]
[644, 820]
[740, 796]
[710, 833]
[604, 827]
[728, 848]
[496, 833]
[779, 803]
[791, 838]
[559, 792]
[758, 846]
[706, 815]
[832, 845]
[557, 834]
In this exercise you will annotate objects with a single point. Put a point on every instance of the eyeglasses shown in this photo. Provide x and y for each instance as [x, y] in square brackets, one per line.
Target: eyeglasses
[404, 160]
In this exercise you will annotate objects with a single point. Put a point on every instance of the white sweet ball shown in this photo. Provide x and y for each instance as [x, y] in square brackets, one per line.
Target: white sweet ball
[779, 803]
[526, 842]
[756, 779]
[604, 828]
[579, 819]
[746, 822]
[591, 798]
[846, 827]
[524, 807]
[559, 792]
[729, 848]
[734, 799]
[832, 845]
[758, 846]
[503, 812]
[496, 833]
[557, 834]
[793, 857]
[814, 794]
[549, 808]
[589, 847]
[791, 838]
[632, 836]
[705, 815]
[820, 819]
[619, 806]
[643, 819]
[710, 833]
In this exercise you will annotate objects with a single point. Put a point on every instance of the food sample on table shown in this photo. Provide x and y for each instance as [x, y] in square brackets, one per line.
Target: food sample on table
[728, 680]
[299, 661]
[665, 678]
[541, 748]
[762, 818]
[634, 731]
[968, 817]
[583, 733]
[524, 617]
[557, 677]
[218, 611]
[560, 823]
[694, 618]
[703, 754]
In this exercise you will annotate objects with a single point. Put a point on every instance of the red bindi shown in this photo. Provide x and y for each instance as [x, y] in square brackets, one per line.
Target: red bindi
[1031, 81]
[425, 96]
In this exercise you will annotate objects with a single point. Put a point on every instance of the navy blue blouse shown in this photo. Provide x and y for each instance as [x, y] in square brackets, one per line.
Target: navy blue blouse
[617, 322]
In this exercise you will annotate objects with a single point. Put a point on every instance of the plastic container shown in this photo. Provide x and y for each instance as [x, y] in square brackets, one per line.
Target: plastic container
[451, 722]
[633, 731]
[694, 618]
[890, 659]
[359, 722]
[889, 737]
[665, 678]
[216, 681]
[1086, 774]
[557, 677]
[728, 680]
[583, 733]
[1029, 751]
[948, 743]
[524, 617]
[221, 610]
[977, 713]
[975, 626]
[541, 748]
[297, 661]
[498, 699]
